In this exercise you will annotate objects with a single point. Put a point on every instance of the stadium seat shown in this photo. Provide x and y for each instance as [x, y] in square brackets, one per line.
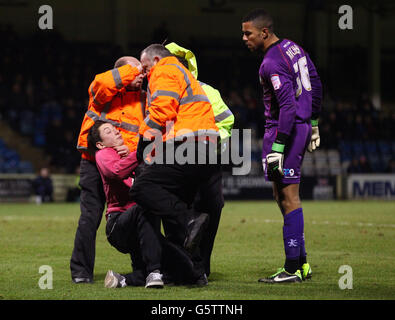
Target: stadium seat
[345, 151]
[10, 161]
[357, 148]
[371, 147]
[2, 144]
[11, 155]
[10, 167]
[321, 162]
[375, 161]
[335, 167]
[26, 126]
[386, 152]
[385, 147]
[308, 167]
[39, 139]
[25, 167]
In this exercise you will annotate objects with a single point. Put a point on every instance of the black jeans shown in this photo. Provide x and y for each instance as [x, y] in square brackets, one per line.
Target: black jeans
[168, 190]
[136, 233]
[92, 201]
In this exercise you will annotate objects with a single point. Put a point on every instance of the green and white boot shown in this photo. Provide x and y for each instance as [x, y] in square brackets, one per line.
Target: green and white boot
[282, 276]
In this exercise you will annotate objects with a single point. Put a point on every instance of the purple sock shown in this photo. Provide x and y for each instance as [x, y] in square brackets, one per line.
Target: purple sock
[293, 234]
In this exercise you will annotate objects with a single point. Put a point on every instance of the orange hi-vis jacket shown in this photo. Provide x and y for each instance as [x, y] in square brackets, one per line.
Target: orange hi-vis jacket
[111, 102]
[177, 105]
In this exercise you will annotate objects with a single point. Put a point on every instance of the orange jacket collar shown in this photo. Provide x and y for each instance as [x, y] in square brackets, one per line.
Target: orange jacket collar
[163, 61]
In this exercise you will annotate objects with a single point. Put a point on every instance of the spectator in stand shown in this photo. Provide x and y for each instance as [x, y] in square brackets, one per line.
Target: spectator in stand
[360, 165]
[236, 104]
[364, 164]
[391, 166]
[354, 166]
[43, 187]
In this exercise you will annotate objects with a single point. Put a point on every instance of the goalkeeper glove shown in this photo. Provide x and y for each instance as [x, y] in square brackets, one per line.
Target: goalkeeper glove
[275, 159]
[315, 136]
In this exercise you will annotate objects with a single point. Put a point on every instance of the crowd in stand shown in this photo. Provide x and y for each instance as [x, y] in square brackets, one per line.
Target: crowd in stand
[43, 95]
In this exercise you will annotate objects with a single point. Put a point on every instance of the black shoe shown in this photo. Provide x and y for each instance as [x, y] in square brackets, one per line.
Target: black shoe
[195, 230]
[168, 279]
[82, 280]
[202, 281]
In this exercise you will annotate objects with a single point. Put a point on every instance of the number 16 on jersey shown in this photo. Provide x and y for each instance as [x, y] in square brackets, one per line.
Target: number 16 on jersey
[303, 79]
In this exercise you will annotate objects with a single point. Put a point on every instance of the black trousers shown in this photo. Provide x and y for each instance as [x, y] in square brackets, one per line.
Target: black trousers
[168, 191]
[137, 232]
[210, 200]
[92, 201]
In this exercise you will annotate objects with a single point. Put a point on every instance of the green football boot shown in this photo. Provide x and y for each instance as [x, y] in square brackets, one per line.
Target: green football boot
[282, 276]
[306, 272]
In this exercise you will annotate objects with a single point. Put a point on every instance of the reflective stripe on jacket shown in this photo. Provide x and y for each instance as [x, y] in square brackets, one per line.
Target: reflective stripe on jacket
[224, 118]
[111, 102]
[177, 104]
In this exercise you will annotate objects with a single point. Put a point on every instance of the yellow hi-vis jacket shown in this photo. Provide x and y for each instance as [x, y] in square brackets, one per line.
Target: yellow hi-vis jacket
[224, 118]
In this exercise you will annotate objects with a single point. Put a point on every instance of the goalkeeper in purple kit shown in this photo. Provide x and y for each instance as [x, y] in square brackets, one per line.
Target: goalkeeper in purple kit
[292, 94]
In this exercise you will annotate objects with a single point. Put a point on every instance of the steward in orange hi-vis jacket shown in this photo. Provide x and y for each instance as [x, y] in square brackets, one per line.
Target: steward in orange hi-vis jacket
[176, 103]
[109, 100]
[178, 108]
[116, 97]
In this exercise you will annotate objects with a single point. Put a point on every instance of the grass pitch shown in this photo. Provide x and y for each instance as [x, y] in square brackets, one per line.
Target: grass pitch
[248, 246]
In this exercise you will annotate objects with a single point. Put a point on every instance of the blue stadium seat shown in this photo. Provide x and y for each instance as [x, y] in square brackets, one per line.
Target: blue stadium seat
[357, 148]
[11, 156]
[10, 166]
[10, 161]
[26, 126]
[39, 139]
[345, 150]
[25, 167]
[385, 147]
[376, 163]
[371, 147]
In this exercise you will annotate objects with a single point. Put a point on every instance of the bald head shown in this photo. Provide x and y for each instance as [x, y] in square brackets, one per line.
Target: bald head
[127, 60]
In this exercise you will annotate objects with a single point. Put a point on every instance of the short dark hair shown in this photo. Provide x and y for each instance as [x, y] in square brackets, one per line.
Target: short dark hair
[94, 135]
[157, 50]
[260, 18]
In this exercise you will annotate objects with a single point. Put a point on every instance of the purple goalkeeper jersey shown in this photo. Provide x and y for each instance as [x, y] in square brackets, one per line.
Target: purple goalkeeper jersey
[292, 90]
